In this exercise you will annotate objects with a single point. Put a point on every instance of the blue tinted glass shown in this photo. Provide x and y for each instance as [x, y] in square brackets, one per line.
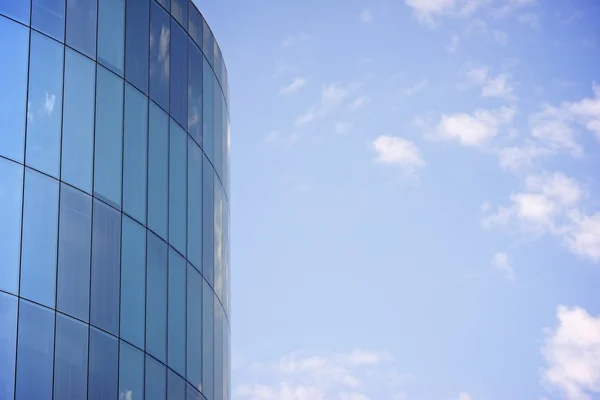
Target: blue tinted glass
[194, 327]
[82, 17]
[175, 387]
[70, 370]
[208, 187]
[177, 271]
[179, 9]
[194, 204]
[208, 347]
[225, 292]
[40, 230]
[156, 321]
[48, 16]
[78, 121]
[106, 263]
[177, 187]
[44, 112]
[159, 55]
[16, 9]
[179, 74]
[35, 353]
[207, 110]
[209, 43]
[156, 380]
[158, 171]
[137, 43]
[195, 92]
[8, 340]
[165, 3]
[11, 189]
[218, 239]
[131, 373]
[135, 144]
[218, 351]
[75, 236]
[195, 26]
[13, 81]
[109, 137]
[104, 366]
[133, 282]
[218, 130]
[192, 394]
[111, 34]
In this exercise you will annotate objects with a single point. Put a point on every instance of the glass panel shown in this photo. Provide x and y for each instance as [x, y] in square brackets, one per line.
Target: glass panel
[81, 25]
[192, 394]
[177, 187]
[208, 345]
[44, 113]
[207, 110]
[11, 192]
[75, 242]
[158, 171]
[179, 9]
[218, 348]
[131, 373]
[40, 231]
[175, 387]
[16, 9]
[35, 353]
[135, 151]
[78, 121]
[194, 204]
[104, 360]
[165, 3]
[8, 342]
[111, 34]
[196, 27]
[209, 43]
[195, 92]
[48, 16]
[70, 370]
[179, 74]
[159, 55]
[156, 321]
[226, 275]
[137, 43]
[218, 239]
[176, 313]
[156, 380]
[13, 81]
[208, 188]
[133, 282]
[106, 262]
[218, 129]
[109, 137]
[194, 327]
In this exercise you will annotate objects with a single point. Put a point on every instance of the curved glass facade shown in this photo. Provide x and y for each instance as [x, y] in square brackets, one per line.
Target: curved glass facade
[114, 202]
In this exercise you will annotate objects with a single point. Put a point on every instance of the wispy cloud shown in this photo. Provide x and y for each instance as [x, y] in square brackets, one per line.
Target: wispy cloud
[492, 86]
[530, 19]
[500, 262]
[332, 96]
[427, 11]
[416, 88]
[366, 16]
[294, 86]
[343, 127]
[292, 40]
[359, 102]
[393, 150]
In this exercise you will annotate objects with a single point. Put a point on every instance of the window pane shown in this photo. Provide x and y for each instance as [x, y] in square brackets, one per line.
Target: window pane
[106, 262]
[179, 9]
[48, 16]
[35, 354]
[11, 189]
[40, 230]
[179, 73]
[195, 92]
[194, 204]
[70, 371]
[218, 350]
[177, 271]
[158, 171]
[133, 282]
[111, 34]
[218, 129]
[218, 239]
[78, 121]
[192, 394]
[131, 373]
[8, 341]
[196, 26]
[137, 42]
[81, 26]
[16, 9]
[109, 137]
[194, 327]
[74, 252]
[225, 292]
[165, 3]
[13, 81]
[159, 55]
[175, 387]
[208, 187]
[156, 380]
[104, 360]
[156, 321]
[135, 153]
[207, 110]
[209, 43]
[177, 187]
[44, 112]
[208, 346]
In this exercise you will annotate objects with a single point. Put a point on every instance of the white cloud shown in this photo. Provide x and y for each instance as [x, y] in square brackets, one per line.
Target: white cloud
[294, 86]
[276, 138]
[416, 88]
[530, 19]
[464, 396]
[366, 16]
[571, 351]
[519, 158]
[332, 96]
[359, 102]
[397, 151]
[49, 103]
[583, 238]
[485, 206]
[491, 86]
[343, 127]
[500, 262]
[501, 37]
[426, 11]
[353, 396]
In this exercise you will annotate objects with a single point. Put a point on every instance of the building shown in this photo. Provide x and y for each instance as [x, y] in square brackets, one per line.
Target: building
[114, 202]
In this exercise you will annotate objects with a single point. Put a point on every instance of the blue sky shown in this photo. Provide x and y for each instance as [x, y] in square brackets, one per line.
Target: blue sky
[415, 209]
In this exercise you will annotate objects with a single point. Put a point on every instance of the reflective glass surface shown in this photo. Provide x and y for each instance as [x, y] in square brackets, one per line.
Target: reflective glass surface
[158, 169]
[177, 187]
[48, 16]
[8, 343]
[111, 34]
[131, 372]
[137, 43]
[71, 352]
[82, 21]
[160, 42]
[156, 283]
[179, 73]
[11, 193]
[103, 366]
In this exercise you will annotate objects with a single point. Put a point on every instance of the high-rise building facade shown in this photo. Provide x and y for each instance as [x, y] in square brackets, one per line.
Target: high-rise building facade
[114, 202]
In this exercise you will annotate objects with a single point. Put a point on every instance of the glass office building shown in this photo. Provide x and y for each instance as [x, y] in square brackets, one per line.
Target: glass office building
[114, 202]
